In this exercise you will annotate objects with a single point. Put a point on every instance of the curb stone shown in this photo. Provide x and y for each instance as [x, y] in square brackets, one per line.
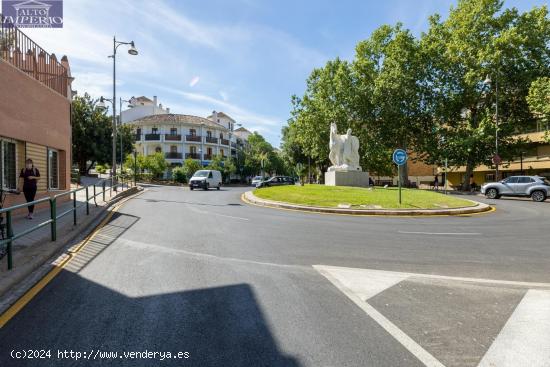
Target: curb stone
[250, 198]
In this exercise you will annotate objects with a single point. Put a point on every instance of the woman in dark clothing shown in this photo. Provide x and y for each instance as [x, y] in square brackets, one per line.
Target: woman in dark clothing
[28, 178]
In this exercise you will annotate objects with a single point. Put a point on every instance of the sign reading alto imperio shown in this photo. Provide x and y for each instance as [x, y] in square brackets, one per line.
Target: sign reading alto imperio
[33, 13]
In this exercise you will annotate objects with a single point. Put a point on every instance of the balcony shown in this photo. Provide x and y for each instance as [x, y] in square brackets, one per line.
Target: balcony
[192, 155]
[152, 137]
[172, 137]
[210, 139]
[137, 137]
[233, 145]
[207, 157]
[224, 142]
[192, 138]
[17, 49]
[173, 155]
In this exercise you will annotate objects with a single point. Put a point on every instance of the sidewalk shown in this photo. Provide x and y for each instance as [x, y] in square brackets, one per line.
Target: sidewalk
[34, 249]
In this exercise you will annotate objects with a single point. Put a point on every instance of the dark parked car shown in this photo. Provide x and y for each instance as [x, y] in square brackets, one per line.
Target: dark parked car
[276, 181]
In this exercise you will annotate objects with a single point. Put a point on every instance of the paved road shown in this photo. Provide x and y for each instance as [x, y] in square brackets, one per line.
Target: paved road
[234, 285]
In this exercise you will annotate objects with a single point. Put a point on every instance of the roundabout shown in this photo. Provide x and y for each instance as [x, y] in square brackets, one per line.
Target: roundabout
[360, 201]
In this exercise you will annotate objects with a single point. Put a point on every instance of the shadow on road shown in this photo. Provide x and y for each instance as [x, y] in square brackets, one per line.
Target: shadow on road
[221, 326]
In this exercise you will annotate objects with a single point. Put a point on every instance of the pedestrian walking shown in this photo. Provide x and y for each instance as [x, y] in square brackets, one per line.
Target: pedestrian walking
[436, 183]
[28, 179]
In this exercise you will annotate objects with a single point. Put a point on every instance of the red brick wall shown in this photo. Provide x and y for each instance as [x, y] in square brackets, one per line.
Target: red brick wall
[32, 112]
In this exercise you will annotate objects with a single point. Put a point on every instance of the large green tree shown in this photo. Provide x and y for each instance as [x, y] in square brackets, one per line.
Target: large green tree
[91, 133]
[479, 39]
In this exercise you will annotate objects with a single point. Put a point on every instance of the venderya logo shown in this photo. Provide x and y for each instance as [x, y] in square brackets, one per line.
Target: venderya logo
[33, 13]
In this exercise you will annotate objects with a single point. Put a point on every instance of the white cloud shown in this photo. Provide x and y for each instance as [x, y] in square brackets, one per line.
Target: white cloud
[194, 81]
[224, 95]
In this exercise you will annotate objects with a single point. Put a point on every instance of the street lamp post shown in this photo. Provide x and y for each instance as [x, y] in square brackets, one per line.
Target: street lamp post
[120, 125]
[496, 158]
[132, 51]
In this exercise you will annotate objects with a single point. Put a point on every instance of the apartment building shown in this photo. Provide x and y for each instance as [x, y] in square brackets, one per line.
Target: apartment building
[533, 160]
[35, 113]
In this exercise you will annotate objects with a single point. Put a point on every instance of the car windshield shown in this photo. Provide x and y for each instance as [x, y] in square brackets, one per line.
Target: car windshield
[201, 174]
[257, 178]
[545, 180]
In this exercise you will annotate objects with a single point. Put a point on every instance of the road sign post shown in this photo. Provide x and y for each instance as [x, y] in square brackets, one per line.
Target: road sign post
[399, 157]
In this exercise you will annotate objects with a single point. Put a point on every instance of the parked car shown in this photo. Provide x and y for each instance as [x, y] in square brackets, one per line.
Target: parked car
[276, 181]
[205, 179]
[538, 188]
[257, 179]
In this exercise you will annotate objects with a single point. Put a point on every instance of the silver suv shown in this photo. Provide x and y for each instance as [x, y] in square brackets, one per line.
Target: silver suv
[538, 188]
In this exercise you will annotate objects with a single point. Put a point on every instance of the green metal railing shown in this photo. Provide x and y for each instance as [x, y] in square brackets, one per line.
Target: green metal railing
[116, 182]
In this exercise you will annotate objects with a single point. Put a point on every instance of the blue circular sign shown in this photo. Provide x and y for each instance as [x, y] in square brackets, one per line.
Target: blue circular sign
[399, 157]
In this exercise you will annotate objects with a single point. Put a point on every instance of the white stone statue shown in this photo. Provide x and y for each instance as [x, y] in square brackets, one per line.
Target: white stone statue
[344, 151]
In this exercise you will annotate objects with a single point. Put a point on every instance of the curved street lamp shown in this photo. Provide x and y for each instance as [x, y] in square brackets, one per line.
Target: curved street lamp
[132, 51]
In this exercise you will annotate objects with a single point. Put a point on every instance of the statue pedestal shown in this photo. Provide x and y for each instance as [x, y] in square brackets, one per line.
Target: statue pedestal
[347, 178]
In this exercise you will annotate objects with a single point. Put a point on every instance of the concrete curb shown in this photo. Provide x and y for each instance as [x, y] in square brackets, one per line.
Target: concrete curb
[16, 282]
[249, 197]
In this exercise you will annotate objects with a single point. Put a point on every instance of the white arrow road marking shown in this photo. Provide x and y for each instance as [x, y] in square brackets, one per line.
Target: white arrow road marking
[525, 338]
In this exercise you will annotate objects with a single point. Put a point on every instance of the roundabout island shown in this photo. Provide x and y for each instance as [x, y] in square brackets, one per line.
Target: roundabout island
[362, 201]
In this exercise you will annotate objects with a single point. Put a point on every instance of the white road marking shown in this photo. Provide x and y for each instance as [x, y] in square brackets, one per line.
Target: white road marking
[525, 338]
[444, 277]
[364, 284]
[213, 213]
[386, 324]
[443, 233]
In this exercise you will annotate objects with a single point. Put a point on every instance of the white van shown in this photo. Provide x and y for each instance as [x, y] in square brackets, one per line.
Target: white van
[205, 179]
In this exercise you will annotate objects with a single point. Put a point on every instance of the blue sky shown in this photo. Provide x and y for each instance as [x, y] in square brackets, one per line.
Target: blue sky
[243, 57]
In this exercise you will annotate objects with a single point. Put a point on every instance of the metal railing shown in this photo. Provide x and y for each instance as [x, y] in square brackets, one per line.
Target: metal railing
[22, 52]
[173, 155]
[116, 182]
[192, 155]
[210, 139]
[192, 138]
[155, 137]
[172, 137]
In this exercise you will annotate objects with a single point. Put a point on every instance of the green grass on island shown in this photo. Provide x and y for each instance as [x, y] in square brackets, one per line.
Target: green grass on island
[360, 198]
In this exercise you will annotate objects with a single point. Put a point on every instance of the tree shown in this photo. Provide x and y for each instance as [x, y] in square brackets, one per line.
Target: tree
[539, 101]
[179, 175]
[156, 164]
[479, 39]
[190, 166]
[224, 165]
[91, 133]
[128, 139]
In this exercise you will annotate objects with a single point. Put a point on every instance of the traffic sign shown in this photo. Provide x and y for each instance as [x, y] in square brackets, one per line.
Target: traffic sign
[399, 157]
[497, 159]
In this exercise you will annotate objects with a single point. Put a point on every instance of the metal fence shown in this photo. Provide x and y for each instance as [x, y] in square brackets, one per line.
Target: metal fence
[92, 192]
[22, 52]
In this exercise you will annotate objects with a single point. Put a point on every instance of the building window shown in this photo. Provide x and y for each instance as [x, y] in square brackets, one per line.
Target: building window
[158, 150]
[209, 151]
[138, 132]
[221, 152]
[209, 134]
[8, 178]
[192, 132]
[173, 131]
[192, 149]
[154, 130]
[221, 135]
[53, 169]
[173, 149]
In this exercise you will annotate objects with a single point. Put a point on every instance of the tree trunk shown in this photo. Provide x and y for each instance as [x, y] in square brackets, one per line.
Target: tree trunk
[469, 172]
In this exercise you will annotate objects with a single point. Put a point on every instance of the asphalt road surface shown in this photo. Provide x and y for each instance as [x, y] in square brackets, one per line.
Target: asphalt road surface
[216, 282]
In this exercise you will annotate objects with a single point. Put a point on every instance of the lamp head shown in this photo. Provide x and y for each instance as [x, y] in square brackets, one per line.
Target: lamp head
[132, 50]
[487, 80]
[101, 103]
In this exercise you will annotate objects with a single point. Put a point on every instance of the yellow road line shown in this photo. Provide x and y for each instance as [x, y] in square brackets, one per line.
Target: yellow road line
[71, 254]
[243, 198]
